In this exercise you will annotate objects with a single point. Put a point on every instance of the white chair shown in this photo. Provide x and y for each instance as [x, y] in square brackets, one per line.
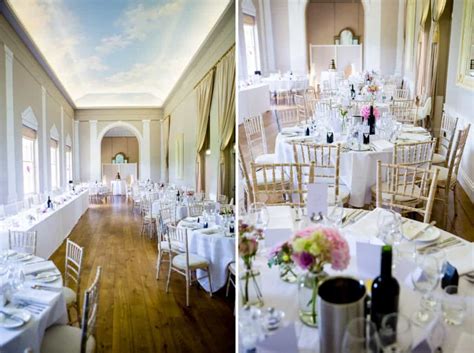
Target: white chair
[166, 247]
[403, 111]
[287, 118]
[256, 140]
[72, 276]
[301, 108]
[222, 199]
[230, 273]
[401, 94]
[22, 241]
[445, 140]
[187, 262]
[69, 339]
[195, 210]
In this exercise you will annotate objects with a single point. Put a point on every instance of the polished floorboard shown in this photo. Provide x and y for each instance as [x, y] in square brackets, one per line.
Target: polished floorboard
[135, 312]
[462, 225]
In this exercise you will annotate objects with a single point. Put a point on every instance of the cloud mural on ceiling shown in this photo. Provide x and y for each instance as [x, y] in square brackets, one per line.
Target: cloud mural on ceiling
[118, 52]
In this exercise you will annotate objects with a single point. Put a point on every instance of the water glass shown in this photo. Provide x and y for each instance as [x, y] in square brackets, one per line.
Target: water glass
[454, 306]
[395, 334]
[360, 337]
[335, 213]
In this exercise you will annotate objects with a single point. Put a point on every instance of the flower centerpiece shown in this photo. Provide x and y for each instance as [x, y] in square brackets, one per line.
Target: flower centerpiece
[312, 248]
[365, 112]
[248, 246]
[372, 88]
[281, 256]
[343, 111]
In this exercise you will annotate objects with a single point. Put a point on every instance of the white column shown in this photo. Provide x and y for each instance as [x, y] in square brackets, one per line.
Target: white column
[264, 21]
[297, 36]
[44, 141]
[62, 163]
[76, 155]
[400, 36]
[242, 62]
[11, 165]
[94, 152]
[145, 152]
[162, 152]
[372, 34]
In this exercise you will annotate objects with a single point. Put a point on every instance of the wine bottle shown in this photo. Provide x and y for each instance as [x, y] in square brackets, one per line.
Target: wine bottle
[371, 121]
[385, 290]
[353, 92]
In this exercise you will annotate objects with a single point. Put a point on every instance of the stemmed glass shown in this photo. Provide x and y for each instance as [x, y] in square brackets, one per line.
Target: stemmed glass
[395, 334]
[336, 213]
[360, 337]
[258, 215]
[425, 278]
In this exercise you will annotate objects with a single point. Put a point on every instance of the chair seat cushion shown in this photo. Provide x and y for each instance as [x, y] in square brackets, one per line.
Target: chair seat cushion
[65, 339]
[438, 158]
[398, 198]
[195, 261]
[443, 176]
[268, 158]
[69, 295]
[175, 246]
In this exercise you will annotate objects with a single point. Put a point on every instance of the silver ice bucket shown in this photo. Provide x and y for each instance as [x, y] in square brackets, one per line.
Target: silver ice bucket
[340, 299]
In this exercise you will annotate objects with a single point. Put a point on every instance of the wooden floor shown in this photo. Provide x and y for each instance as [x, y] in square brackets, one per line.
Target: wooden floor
[463, 224]
[135, 312]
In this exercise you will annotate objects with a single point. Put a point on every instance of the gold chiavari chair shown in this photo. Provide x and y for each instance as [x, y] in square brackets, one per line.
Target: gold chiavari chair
[448, 176]
[401, 94]
[404, 111]
[72, 276]
[287, 118]
[406, 189]
[326, 159]
[281, 183]
[310, 93]
[195, 210]
[445, 140]
[246, 182]
[24, 242]
[257, 140]
[148, 219]
[301, 107]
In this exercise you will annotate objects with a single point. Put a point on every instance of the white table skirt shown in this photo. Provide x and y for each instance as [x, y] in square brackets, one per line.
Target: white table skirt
[31, 334]
[253, 100]
[119, 187]
[284, 296]
[286, 84]
[54, 226]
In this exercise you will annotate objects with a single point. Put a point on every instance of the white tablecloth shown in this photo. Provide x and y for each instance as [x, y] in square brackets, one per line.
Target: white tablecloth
[119, 187]
[284, 296]
[286, 84]
[181, 210]
[218, 249]
[253, 100]
[31, 334]
[329, 76]
[53, 226]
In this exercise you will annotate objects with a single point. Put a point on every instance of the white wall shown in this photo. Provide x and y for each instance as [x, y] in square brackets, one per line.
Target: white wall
[460, 101]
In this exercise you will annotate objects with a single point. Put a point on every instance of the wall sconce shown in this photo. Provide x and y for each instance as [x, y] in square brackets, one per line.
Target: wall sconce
[208, 152]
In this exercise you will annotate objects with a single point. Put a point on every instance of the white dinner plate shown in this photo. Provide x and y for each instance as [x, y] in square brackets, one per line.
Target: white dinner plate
[430, 234]
[47, 276]
[290, 134]
[7, 322]
[359, 147]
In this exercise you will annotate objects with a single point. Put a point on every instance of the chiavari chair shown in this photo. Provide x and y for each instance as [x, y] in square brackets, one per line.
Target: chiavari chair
[257, 140]
[310, 93]
[406, 189]
[445, 140]
[195, 210]
[246, 182]
[21, 241]
[287, 117]
[186, 263]
[148, 220]
[301, 107]
[72, 276]
[401, 94]
[167, 247]
[326, 159]
[404, 111]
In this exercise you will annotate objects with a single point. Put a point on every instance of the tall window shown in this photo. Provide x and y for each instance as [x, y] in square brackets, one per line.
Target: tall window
[251, 44]
[68, 163]
[54, 164]
[29, 147]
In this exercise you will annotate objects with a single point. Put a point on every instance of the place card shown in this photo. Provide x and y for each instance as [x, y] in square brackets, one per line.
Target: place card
[317, 199]
[368, 259]
[275, 236]
[282, 341]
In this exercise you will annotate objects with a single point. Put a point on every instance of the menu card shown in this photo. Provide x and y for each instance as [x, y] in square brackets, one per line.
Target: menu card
[317, 200]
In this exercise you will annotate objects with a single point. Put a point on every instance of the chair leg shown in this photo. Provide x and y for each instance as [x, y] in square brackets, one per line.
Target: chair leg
[169, 275]
[158, 264]
[210, 284]
[227, 285]
[446, 207]
[455, 203]
[187, 288]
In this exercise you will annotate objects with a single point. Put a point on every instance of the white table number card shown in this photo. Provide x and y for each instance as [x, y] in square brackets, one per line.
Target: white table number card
[317, 199]
[368, 259]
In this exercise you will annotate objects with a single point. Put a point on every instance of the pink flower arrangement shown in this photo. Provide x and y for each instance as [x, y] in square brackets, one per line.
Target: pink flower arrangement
[248, 243]
[365, 112]
[314, 247]
[372, 88]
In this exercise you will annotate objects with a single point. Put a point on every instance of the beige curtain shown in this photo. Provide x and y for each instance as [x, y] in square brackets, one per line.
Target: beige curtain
[165, 125]
[225, 86]
[422, 48]
[204, 98]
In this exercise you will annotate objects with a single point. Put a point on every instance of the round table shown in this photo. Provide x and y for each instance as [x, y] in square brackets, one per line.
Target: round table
[357, 169]
[119, 187]
[286, 83]
[284, 296]
[217, 248]
[46, 306]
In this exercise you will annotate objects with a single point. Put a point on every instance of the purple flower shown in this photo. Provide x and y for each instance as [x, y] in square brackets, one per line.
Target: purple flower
[303, 259]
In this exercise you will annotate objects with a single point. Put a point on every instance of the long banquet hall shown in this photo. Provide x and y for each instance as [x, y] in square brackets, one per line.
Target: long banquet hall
[117, 177]
[356, 170]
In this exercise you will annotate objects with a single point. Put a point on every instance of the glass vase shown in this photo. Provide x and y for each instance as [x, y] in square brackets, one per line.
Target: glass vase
[287, 273]
[308, 283]
[251, 288]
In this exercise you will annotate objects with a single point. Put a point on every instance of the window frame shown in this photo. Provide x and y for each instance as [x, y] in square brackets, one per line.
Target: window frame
[30, 135]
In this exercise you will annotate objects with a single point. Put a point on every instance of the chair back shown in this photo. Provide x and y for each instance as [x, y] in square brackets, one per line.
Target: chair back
[456, 156]
[22, 241]
[404, 183]
[73, 265]
[403, 111]
[401, 94]
[415, 154]
[326, 159]
[446, 135]
[287, 117]
[281, 183]
[167, 216]
[389, 90]
[178, 236]
[90, 310]
[255, 133]
[244, 174]
[195, 210]
[301, 107]
[310, 93]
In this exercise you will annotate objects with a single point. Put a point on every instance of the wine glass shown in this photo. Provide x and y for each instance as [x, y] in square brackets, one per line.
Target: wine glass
[258, 215]
[336, 213]
[395, 334]
[425, 278]
[360, 337]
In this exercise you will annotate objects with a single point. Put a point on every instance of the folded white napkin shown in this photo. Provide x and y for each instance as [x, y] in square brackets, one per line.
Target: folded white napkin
[465, 343]
[210, 231]
[410, 229]
[462, 257]
[382, 145]
[366, 227]
[410, 128]
[36, 296]
[414, 137]
[39, 267]
[287, 130]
